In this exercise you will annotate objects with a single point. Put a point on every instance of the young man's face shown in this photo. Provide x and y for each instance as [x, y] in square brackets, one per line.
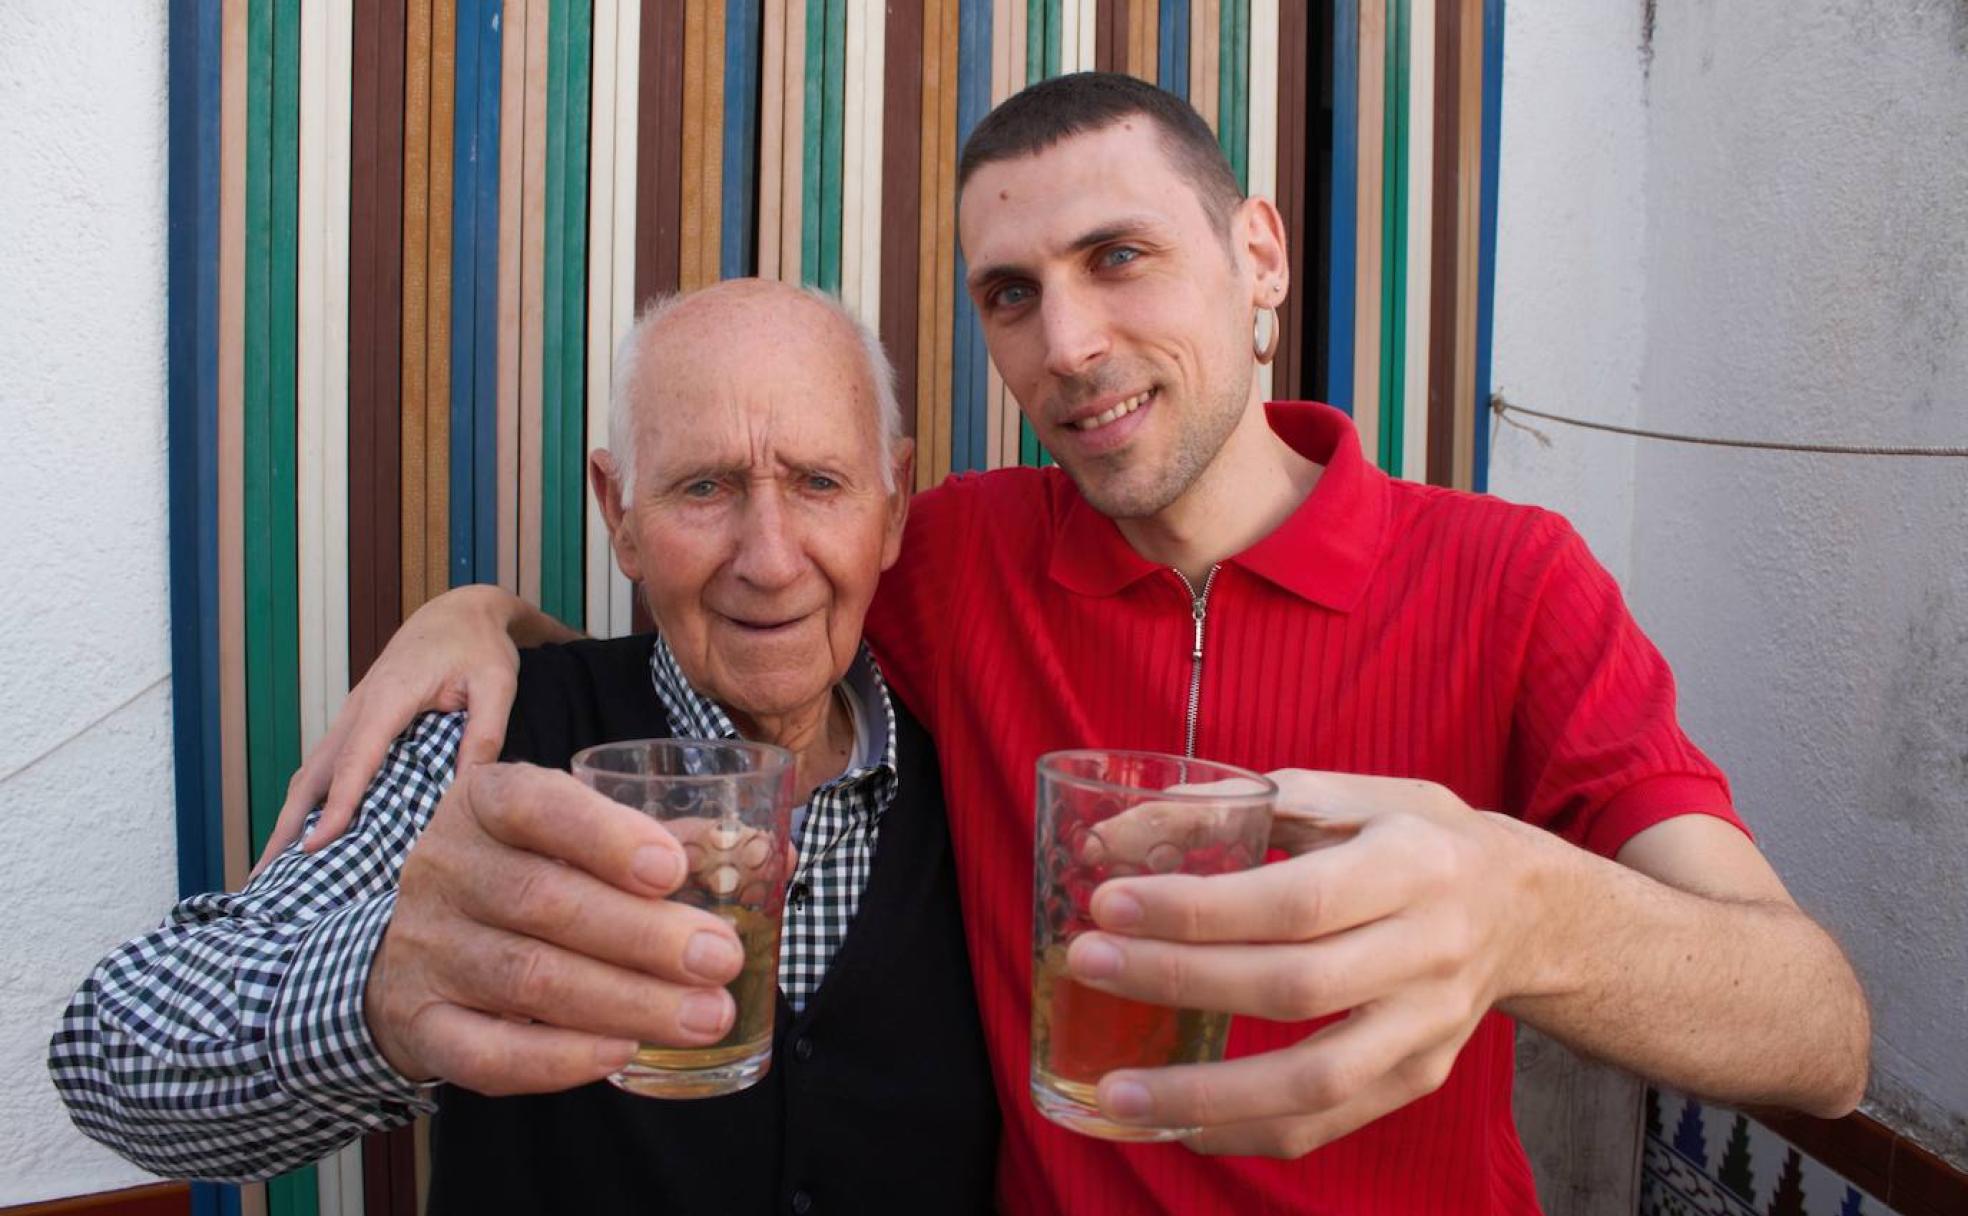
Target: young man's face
[1115, 309]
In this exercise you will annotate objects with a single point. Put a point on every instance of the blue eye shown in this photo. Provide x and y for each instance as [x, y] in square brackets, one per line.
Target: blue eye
[820, 483]
[1010, 296]
[701, 488]
[1119, 256]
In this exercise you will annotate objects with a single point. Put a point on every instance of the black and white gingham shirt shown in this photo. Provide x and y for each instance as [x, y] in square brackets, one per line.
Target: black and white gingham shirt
[230, 1044]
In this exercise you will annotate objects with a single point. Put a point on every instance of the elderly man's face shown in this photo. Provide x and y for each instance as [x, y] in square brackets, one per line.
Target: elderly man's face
[1113, 310]
[759, 523]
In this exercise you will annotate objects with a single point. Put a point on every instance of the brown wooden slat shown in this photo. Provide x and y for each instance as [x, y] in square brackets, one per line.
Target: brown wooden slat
[512, 157]
[416, 297]
[659, 150]
[945, 216]
[1288, 377]
[532, 297]
[437, 273]
[231, 438]
[160, 1199]
[902, 196]
[1443, 234]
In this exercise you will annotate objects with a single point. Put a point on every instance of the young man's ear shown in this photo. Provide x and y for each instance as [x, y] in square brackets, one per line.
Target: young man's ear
[1262, 235]
[902, 464]
[605, 480]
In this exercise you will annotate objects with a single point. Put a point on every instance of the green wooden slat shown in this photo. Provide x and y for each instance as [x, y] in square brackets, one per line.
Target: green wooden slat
[574, 261]
[1241, 47]
[263, 784]
[292, 1193]
[1054, 15]
[553, 344]
[283, 578]
[831, 150]
[1394, 265]
[815, 70]
[1035, 40]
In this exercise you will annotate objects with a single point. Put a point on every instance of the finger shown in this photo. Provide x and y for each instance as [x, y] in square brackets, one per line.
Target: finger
[497, 1057]
[547, 812]
[1162, 837]
[1292, 1137]
[1333, 1067]
[1285, 983]
[363, 747]
[488, 704]
[508, 974]
[1317, 893]
[539, 899]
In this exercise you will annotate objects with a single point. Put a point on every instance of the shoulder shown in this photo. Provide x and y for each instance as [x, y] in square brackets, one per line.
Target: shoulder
[1012, 504]
[1519, 538]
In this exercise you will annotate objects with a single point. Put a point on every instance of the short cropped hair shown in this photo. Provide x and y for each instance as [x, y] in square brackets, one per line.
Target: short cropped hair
[628, 359]
[1041, 115]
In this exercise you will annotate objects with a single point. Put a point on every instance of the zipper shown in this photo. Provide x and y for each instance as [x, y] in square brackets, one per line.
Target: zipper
[1199, 609]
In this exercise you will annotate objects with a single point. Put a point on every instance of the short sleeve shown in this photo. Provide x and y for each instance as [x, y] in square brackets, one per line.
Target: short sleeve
[1597, 753]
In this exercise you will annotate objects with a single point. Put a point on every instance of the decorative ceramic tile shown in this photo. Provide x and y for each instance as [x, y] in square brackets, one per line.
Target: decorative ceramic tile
[1702, 1160]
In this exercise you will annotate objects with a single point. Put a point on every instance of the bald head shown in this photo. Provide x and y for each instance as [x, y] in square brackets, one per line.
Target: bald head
[700, 346]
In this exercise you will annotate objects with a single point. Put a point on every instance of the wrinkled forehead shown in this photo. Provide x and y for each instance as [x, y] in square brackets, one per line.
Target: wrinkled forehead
[743, 386]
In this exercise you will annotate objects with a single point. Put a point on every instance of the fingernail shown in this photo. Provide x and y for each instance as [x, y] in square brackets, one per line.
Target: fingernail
[1095, 959]
[711, 957]
[1119, 910]
[703, 1012]
[613, 1053]
[657, 866]
[1124, 1099]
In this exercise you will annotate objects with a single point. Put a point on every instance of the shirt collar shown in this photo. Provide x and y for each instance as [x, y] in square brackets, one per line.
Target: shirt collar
[693, 715]
[1322, 552]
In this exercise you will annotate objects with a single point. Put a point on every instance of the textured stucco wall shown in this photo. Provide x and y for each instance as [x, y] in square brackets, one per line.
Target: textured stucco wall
[1571, 231]
[1807, 277]
[85, 773]
[1752, 220]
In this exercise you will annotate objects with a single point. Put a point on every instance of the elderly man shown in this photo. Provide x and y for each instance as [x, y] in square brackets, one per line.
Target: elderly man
[1210, 574]
[503, 928]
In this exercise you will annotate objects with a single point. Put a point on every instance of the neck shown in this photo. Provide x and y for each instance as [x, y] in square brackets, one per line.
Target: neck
[1256, 481]
[820, 734]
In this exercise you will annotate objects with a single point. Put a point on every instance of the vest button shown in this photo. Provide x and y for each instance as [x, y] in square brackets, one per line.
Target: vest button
[802, 1203]
[803, 1047]
[797, 894]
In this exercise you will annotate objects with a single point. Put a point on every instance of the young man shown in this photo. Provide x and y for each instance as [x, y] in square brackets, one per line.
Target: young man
[1204, 572]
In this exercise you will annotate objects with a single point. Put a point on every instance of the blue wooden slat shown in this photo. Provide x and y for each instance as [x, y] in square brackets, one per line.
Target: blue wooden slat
[192, 430]
[485, 306]
[1487, 231]
[1344, 207]
[464, 292]
[968, 426]
[1172, 57]
[741, 106]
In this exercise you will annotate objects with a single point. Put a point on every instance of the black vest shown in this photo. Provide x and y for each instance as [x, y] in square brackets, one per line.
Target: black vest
[879, 1098]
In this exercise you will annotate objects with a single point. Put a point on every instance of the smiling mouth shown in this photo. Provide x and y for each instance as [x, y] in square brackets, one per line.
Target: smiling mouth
[1113, 413]
[765, 626]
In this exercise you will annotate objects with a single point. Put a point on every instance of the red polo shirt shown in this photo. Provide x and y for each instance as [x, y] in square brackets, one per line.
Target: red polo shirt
[1385, 627]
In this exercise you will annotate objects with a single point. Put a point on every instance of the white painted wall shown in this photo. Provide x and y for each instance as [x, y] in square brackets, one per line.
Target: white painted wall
[1796, 175]
[85, 756]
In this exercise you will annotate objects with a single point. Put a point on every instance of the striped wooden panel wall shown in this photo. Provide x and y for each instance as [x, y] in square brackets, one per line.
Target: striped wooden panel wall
[407, 235]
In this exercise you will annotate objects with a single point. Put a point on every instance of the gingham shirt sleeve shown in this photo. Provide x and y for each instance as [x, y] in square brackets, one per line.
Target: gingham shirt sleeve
[229, 1043]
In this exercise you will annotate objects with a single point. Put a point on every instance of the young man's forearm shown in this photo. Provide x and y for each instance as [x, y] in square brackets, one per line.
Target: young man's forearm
[1743, 1000]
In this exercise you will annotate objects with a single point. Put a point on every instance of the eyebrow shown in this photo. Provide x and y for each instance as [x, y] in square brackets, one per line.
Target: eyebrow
[1107, 233]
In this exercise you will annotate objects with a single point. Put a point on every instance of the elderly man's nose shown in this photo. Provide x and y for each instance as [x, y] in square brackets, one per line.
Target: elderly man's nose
[768, 551]
[1075, 338]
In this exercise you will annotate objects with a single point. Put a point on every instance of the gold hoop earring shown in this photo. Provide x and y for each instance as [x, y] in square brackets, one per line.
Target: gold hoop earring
[1267, 349]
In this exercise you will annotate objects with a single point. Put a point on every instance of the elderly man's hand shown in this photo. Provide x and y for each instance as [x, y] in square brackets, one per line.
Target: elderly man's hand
[1402, 907]
[533, 946]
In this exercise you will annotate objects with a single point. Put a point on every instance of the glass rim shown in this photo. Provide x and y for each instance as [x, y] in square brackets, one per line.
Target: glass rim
[776, 760]
[1048, 766]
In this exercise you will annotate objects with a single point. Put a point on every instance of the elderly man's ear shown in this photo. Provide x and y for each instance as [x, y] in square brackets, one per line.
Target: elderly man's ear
[902, 461]
[605, 481]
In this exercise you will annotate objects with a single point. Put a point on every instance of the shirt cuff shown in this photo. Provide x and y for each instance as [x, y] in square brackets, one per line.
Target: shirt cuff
[320, 1042]
[1656, 800]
